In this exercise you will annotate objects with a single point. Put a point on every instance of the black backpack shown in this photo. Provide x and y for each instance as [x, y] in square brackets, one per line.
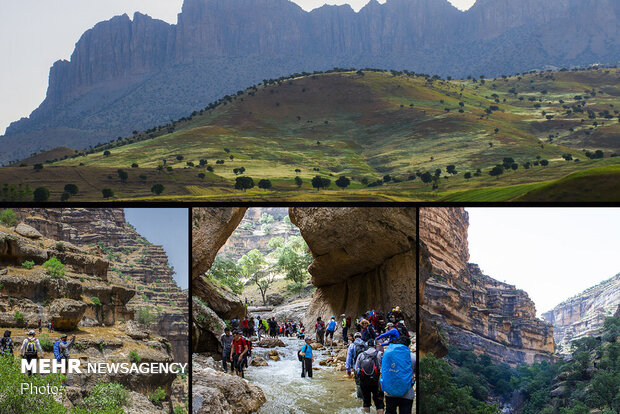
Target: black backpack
[357, 350]
[301, 358]
[4, 344]
[369, 366]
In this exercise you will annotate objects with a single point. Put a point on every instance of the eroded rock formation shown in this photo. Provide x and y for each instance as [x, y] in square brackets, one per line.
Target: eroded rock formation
[211, 227]
[130, 261]
[85, 302]
[466, 308]
[584, 314]
[364, 258]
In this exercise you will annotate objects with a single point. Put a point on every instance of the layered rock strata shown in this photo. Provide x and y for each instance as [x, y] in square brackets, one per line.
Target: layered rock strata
[466, 308]
[584, 314]
[83, 302]
[132, 262]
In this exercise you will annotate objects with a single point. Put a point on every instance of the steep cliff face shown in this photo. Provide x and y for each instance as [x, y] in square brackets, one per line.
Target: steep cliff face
[126, 75]
[364, 258]
[252, 233]
[584, 314]
[211, 227]
[472, 310]
[84, 301]
[133, 262]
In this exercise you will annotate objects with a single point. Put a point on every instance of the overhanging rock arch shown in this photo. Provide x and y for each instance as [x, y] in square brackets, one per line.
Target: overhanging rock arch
[363, 258]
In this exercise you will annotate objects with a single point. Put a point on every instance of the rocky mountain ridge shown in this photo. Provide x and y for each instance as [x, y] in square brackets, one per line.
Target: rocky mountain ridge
[162, 71]
[466, 308]
[584, 314]
[133, 262]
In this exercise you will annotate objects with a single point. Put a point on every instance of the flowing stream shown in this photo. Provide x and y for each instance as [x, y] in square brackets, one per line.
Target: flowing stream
[329, 391]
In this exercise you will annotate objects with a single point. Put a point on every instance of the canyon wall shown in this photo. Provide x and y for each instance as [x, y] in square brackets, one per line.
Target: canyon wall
[133, 262]
[211, 304]
[468, 309]
[364, 258]
[252, 234]
[127, 75]
[86, 302]
[584, 314]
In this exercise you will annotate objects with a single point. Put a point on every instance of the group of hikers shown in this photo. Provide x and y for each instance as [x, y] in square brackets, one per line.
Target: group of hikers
[378, 354]
[266, 327]
[31, 347]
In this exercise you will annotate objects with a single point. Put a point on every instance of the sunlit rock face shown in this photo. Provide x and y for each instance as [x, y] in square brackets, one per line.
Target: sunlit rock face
[364, 258]
[101, 243]
[466, 308]
[584, 314]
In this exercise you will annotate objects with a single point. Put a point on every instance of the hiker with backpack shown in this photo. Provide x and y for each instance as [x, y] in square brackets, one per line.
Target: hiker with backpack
[346, 323]
[368, 368]
[305, 356]
[240, 350]
[320, 330]
[355, 349]
[31, 348]
[6, 344]
[398, 376]
[61, 347]
[368, 331]
[331, 328]
[226, 340]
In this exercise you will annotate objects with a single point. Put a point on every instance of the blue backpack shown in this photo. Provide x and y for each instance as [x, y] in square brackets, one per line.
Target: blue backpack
[57, 350]
[396, 370]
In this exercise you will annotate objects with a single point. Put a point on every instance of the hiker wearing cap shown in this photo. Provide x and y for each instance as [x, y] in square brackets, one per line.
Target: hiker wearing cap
[331, 328]
[6, 344]
[368, 331]
[61, 347]
[31, 348]
[355, 349]
[368, 368]
[305, 356]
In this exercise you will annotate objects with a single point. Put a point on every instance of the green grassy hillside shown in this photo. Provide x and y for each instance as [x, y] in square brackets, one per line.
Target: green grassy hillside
[367, 126]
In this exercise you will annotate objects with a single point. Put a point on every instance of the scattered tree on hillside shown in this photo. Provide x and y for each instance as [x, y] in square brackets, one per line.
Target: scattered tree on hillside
[496, 171]
[264, 184]
[244, 183]
[41, 194]
[38, 167]
[157, 189]
[451, 169]
[343, 182]
[72, 189]
[298, 182]
[319, 182]
[106, 153]
[122, 174]
[107, 193]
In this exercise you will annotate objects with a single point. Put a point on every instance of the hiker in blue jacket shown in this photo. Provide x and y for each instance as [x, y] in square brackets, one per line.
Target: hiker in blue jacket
[306, 358]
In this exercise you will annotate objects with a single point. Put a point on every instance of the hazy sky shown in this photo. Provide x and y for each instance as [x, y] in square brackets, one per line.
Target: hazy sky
[36, 33]
[166, 227]
[551, 253]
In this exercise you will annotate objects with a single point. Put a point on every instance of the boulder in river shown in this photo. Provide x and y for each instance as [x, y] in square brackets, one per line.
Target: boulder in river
[258, 361]
[270, 343]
